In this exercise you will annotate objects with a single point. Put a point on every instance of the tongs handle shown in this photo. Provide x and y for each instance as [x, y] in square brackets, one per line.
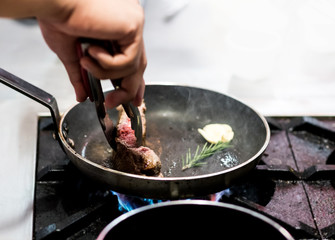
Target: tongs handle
[92, 85]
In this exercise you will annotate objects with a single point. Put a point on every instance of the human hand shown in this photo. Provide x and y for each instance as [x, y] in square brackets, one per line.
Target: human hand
[118, 20]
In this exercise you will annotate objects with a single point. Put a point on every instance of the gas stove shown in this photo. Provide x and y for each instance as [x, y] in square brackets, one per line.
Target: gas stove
[294, 184]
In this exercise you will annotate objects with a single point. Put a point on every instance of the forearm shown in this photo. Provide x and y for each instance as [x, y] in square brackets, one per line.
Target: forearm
[34, 8]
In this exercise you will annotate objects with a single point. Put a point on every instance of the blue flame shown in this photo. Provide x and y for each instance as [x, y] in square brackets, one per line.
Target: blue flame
[227, 193]
[128, 203]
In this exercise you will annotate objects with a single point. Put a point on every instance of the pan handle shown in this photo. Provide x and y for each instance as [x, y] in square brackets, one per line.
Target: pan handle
[32, 92]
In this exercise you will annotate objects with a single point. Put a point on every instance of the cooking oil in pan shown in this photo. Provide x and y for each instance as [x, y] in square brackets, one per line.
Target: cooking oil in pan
[220, 161]
[98, 151]
[228, 160]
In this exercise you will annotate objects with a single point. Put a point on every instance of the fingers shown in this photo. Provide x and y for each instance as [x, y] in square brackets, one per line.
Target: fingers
[76, 80]
[72, 66]
[128, 65]
[126, 59]
[131, 90]
[102, 71]
[140, 94]
[104, 65]
[130, 69]
[65, 48]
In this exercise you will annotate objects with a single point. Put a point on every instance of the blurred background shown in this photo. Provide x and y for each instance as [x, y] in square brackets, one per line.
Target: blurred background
[277, 56]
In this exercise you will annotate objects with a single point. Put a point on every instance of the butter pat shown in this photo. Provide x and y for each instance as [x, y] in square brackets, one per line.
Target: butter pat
[214, 133]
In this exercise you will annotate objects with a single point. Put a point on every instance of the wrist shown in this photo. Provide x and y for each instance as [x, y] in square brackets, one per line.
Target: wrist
[53, 9]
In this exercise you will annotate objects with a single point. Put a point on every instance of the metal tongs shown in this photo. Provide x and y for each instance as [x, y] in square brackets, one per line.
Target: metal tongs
[93, 88]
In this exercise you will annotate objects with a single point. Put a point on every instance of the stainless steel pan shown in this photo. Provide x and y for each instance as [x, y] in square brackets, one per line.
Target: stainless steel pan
[174, 113]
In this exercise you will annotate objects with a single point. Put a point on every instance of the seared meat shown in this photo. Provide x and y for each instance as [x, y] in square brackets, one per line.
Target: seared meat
[129, 157]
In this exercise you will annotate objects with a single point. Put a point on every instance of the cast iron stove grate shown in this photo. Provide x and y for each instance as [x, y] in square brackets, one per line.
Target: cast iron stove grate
[295, 181]
[67, 204]
[294, 184]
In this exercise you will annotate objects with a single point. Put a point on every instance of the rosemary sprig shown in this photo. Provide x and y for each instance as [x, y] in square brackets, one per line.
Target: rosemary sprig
[206, 151]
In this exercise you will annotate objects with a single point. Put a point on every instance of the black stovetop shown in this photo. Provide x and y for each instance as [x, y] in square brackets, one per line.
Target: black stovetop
[294, 184]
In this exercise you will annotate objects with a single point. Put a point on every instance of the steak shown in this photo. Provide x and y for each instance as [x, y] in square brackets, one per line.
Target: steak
[129, 157]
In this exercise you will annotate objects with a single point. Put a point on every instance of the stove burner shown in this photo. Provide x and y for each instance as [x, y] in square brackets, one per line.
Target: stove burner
[65, 201]
[293, 184]
[128, 203]
[256, 190]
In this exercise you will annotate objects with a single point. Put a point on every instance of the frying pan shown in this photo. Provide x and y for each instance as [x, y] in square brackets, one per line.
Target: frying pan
[174, 113]
[196, 219]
